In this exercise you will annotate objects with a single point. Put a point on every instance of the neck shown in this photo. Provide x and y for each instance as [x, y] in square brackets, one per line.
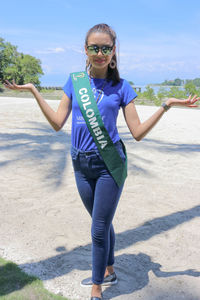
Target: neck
[96, 73]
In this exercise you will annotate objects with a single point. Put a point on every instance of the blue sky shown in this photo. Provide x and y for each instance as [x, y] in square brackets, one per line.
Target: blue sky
[158, 40]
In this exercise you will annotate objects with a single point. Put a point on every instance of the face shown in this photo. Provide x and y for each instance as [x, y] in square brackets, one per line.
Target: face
[100, 60]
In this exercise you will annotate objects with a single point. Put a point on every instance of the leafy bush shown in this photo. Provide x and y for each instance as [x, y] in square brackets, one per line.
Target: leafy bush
[157, 101]
[191, 89]
[175, 92]
[149, 93]
[162, 93]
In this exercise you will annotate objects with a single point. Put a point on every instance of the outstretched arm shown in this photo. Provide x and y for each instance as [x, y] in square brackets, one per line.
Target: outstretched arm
[56, 119]
[138, 129]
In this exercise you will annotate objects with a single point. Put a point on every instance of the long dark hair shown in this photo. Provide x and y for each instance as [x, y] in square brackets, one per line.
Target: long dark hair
[112, 74]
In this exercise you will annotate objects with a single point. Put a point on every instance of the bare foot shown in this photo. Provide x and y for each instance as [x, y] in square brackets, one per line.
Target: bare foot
[96, 290]
[109, 270]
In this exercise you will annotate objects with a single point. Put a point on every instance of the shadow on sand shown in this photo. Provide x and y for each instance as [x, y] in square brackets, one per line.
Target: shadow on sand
[39, 147]
[141, 264]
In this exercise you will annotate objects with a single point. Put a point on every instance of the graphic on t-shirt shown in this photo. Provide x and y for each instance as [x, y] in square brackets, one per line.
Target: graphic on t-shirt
[96, 93]
[80, 120]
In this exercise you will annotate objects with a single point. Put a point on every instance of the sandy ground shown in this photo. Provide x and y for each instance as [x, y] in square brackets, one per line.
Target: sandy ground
[46, 230]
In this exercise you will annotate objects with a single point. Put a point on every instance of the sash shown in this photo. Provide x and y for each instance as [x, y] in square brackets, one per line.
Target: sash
[88, 106]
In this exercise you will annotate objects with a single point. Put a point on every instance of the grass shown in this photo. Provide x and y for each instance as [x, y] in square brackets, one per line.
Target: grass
[55, 95]
[17, 285]
[47, 94]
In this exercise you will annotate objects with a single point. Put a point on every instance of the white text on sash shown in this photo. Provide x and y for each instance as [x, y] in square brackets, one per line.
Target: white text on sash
[85, 99]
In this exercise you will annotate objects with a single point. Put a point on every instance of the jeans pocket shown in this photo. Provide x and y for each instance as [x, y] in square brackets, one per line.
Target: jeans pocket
[121, 151]
[74, 153]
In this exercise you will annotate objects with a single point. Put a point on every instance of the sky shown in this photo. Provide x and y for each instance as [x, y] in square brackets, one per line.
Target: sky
[157, 39]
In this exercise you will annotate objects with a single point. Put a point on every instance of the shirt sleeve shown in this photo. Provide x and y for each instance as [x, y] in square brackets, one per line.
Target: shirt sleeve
[128, 93]
[68, 88]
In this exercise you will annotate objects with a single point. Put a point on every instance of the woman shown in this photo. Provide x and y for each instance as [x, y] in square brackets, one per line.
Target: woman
[99, 189]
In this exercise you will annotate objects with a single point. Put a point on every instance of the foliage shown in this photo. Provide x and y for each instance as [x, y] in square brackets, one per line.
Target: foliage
[175, 82]
[1, 88]
[149, 93]
[23, 68]
[181, 82]
[8, 53]
[190, 89]
[175, 92]
[196, 82]
[157, 101]
[178, 82]
[140, 95]
[162, 93]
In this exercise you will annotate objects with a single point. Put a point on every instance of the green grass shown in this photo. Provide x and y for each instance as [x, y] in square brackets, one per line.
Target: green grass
[17, 285]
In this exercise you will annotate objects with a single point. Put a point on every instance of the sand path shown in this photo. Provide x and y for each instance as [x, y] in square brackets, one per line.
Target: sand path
[46, 230]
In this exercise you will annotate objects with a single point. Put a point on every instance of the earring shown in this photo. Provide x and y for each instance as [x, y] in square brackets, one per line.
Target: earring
[112, 64]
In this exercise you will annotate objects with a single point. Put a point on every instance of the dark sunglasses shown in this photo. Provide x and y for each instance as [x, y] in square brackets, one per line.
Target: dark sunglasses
[94, 49]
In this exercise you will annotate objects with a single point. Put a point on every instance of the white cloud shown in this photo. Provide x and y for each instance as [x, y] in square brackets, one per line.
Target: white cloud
[75, 49]
[149, 65]
[56, 50]
[50, 50]
[164, 55]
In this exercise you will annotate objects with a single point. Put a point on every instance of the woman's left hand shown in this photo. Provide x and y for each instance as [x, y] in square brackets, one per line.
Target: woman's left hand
[189, 102]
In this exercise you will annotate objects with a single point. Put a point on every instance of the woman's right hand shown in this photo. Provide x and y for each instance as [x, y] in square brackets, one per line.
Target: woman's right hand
[14, 86]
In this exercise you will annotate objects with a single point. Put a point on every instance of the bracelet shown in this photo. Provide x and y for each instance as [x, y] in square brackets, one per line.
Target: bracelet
[165, 106]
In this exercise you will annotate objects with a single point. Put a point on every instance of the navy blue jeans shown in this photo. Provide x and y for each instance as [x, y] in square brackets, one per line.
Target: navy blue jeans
[100, 195]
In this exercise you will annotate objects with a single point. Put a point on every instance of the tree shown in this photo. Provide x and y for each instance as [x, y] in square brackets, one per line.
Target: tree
[178, 82]
[149, 93]
[168, 82]
[175, 82]
[196, 82]
[23, 68]
[8, 53]
[190, 88]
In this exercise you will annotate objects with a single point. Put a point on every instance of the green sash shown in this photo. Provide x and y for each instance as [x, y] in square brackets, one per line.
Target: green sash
[92, 117]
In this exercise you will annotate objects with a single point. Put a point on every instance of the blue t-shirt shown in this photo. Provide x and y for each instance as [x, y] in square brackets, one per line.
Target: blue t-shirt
[109, 103]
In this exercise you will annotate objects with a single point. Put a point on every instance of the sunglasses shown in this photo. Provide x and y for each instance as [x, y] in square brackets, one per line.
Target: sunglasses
[94, 49]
